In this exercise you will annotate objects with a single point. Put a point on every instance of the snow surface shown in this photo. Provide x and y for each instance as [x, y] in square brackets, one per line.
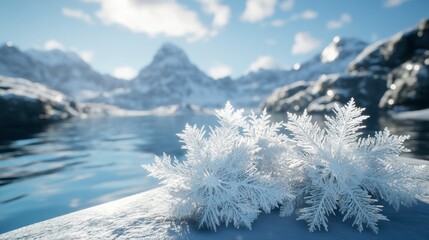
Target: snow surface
[102, 110]
[412, 115]
[144, 216]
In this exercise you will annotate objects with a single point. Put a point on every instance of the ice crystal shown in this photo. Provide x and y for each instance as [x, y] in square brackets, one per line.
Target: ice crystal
[246, 165]
[219, 180]
[348, 174]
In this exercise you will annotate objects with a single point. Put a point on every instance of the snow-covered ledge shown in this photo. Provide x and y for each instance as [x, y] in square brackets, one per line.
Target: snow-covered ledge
[144, 216]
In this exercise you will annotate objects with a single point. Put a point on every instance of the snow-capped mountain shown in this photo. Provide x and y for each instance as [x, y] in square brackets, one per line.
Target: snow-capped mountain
[171, 78]
[392, 74]
[59, 70]
[333, 59]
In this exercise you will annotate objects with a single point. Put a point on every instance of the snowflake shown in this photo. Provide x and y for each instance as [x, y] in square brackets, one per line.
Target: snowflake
[219, 180]
[345, 173]
[245, 165]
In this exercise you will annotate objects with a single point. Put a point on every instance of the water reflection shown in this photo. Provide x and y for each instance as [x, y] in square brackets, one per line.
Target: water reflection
[417, 130]
[49, 171]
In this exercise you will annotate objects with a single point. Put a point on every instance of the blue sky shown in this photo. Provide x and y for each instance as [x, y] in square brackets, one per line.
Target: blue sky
[221, 37]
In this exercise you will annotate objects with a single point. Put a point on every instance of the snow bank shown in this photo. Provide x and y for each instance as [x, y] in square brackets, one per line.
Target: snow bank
[103, 110]
[144, 216]
[412, 115]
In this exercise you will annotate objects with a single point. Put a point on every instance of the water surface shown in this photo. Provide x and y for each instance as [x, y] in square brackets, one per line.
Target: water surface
[50, 171]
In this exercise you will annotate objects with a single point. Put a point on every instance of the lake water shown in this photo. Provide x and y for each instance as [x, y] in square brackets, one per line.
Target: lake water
[50, 171]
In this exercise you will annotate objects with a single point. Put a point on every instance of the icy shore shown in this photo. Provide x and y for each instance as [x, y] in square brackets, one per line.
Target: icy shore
[144, 216]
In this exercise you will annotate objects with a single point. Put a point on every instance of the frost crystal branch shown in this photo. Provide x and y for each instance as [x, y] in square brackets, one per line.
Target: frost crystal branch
[347, 174]
[245, 165]
[219, 181]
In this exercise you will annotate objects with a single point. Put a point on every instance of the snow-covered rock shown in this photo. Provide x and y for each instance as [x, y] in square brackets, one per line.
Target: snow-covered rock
[170, 79]
[408, 84]
[145, 216]
[63, 71]
[254, 87]
[404, 58]
[24, 102]
[321, 96]
[389, 74]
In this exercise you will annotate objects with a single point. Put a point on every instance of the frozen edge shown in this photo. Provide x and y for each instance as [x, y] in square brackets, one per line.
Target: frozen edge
[145, 216]
[412, 115]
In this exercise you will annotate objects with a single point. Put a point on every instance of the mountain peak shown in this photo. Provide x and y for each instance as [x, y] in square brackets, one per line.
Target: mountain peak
[341, 47]
[170, 54]
[8, 48]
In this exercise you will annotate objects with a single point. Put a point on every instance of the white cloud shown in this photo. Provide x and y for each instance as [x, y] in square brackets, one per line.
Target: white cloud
[304, 43]
[263, 62]
[221, 13]
[278, 23]
[163, 17]
[125, 72]
[257, 10]
[153, 17]
[271, 41]
[306, 15]
[85, 55]
[53, 44]
[77, 14]
[287, 5]
[394, 3]
[335, 24]
[219, 71]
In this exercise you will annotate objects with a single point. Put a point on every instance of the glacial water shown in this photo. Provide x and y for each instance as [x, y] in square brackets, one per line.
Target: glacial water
[57, 169]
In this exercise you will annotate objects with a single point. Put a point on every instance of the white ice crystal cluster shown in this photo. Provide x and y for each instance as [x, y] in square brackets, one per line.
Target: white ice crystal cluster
[246, 165]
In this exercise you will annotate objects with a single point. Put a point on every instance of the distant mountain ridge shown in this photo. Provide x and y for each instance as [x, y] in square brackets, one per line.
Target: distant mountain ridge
[170, 79]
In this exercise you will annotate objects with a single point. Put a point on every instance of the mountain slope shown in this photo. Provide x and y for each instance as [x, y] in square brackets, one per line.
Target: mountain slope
[169, 79]
[255, 87]
[389, 74]
[62, 71]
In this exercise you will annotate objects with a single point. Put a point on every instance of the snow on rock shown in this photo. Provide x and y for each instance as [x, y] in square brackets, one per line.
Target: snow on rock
[385, 55]
[404, 58]
[145, 216]
[25, 102]
[321, 96]
[389, 74]
[59, 70]
[408, 84]
[335, 58]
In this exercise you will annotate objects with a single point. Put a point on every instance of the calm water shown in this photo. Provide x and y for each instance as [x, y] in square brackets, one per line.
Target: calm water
[51, 171]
